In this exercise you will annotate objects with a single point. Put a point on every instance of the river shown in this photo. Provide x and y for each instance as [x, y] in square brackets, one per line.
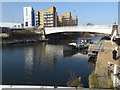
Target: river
[43, 64]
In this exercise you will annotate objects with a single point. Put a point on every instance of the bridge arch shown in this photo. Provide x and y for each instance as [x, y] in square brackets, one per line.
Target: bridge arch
[105, 29]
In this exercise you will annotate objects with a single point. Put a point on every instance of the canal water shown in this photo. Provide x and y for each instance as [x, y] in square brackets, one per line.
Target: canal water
[43, 64]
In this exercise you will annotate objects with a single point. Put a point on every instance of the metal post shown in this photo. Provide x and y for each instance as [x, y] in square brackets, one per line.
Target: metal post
[114, 77]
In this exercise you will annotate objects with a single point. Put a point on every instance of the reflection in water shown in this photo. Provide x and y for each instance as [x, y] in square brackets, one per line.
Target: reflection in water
[53, 51]
[29, 53]
[49, 54]
[42, 52]
[91, 61]
[67, 51]
[46, 64]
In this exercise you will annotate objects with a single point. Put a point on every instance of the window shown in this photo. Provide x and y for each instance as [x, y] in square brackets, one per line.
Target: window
[14, 25]
[26, 23]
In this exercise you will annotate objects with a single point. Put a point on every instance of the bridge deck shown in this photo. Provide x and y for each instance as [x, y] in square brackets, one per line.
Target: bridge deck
[106, 29]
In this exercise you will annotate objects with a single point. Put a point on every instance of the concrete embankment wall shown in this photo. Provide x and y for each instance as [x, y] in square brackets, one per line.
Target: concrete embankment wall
[23, 35]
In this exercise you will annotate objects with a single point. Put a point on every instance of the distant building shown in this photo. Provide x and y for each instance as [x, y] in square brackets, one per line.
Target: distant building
[67, 20]
[29, 17]
[11, 25]
[48, 18]
[75, 20]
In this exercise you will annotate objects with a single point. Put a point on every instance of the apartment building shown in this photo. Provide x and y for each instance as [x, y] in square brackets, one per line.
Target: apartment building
[37, 19]
[67, 20]
[29, 17]
[48, 18]
[75, 21]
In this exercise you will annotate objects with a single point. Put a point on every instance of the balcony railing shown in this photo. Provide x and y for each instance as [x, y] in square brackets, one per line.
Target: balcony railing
[48, 22]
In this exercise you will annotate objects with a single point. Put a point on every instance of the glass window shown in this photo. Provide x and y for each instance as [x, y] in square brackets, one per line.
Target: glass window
[26, 23]
[14, 25]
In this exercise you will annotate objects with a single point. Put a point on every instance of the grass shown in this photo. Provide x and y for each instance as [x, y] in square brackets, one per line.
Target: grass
[74, 81]
[93, 80]
[96, 82]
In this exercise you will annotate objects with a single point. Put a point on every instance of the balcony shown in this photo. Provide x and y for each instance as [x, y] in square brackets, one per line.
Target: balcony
[48, 22]
[50, 15]
[48, 19]
[45, 16]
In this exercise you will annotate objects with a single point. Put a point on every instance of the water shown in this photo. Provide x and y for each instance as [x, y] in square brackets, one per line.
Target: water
[42, 64]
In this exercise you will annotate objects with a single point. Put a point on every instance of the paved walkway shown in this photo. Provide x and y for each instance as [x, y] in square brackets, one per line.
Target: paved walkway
[102, 64]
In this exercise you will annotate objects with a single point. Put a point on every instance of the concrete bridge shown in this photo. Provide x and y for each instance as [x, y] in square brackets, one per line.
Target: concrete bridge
[105, 29]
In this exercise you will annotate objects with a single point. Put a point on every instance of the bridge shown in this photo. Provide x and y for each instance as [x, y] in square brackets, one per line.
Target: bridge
[105, 29]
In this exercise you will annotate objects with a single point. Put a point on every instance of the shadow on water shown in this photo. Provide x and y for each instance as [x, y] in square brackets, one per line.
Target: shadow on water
[69, 53]
[92, 61]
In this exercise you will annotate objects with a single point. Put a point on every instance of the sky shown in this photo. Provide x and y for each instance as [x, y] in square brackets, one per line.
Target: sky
[93, 12]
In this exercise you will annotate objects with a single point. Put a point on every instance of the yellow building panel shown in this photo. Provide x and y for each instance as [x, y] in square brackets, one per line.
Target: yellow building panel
[67, 20]
[47, 16]
[68, 14]
[75, 17]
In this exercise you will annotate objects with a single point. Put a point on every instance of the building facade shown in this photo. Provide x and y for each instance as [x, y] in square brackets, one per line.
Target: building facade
[48, 18]
[29, 17]
[11, 25]
[75, 20]
[37, 19]
[67, 20]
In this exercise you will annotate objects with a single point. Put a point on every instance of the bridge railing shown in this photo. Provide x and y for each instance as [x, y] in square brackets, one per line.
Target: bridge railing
[94, 26]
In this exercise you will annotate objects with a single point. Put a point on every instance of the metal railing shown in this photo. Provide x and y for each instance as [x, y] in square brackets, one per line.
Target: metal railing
[96, 47]
[115, 77]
